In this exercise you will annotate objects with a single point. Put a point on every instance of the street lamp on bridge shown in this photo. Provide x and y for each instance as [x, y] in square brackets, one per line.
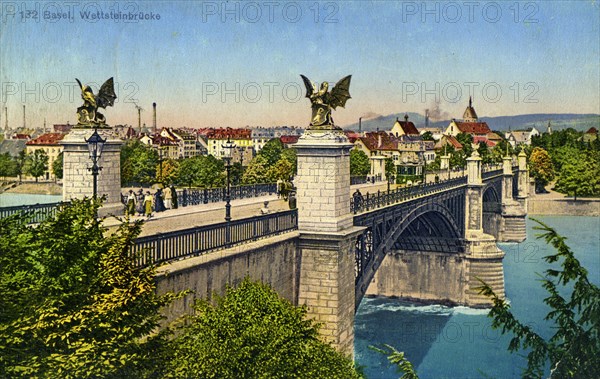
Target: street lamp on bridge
[95, 145]
[228, 147]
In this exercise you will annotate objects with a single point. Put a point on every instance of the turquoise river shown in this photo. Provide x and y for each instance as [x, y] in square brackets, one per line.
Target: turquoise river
[458, 342]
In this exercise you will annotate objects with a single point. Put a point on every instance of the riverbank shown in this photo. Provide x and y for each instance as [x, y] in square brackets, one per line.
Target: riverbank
[554, 203]
[42, 188]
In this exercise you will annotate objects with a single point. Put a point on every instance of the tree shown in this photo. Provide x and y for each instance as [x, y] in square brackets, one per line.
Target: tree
[38, 163]
[580, 176]
[168, 168]
[574, 349]
[8, 166]
[484, 153]
[272, 151]
[466, 140]
[427, 136]
[138, 163]
[390, 168]
[22, 162]
[256, 172]
[541, 168]
[57, 166]
[251, 332]
[73, 302]
[359, 163]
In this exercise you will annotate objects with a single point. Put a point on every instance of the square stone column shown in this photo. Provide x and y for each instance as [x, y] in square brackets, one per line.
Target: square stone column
[323, 181]
[327, 236]
[77, 176]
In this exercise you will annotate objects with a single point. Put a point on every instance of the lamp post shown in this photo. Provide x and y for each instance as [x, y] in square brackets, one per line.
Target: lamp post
[228, 147]
[95, 145]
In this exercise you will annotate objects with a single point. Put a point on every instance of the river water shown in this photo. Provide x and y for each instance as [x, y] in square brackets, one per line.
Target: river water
[458, 342]
[12, 199]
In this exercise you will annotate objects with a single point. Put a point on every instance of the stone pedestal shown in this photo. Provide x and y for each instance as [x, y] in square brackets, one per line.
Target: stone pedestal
[323, 181]
[327, 234]
[77, 176]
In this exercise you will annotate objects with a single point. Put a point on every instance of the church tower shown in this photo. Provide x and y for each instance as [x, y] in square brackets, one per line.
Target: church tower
[470, 115]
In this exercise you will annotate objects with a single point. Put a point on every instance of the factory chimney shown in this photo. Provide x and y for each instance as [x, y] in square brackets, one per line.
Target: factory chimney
[5, 122]
[359, 125]
[426, 118]
[154, 117]
[24, 125]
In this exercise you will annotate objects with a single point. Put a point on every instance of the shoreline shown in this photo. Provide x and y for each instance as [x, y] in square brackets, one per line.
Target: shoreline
[40, 188]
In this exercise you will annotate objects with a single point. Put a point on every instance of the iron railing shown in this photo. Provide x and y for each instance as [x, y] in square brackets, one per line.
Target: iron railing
[200, 240]
[360, 203]
[36, 212]
[359, 179]
[199, 196]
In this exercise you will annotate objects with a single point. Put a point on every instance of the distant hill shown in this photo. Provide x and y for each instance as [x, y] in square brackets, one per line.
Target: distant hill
[580, 122]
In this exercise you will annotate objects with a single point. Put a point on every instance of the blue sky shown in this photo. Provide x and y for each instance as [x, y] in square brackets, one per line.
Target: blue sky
[216, 63]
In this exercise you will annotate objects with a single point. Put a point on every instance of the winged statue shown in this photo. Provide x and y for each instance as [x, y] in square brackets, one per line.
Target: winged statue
[87, 114]
[323, 101]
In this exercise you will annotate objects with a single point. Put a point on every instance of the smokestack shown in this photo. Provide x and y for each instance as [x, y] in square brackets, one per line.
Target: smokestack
[379, 140]
[139, 119]
[154, 116]
[426, 118]
[45, 131]
[360, 124]
[6, 122]
[24, 117]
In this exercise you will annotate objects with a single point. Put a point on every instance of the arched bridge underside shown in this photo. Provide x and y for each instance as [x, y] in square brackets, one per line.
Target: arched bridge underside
[432, 222]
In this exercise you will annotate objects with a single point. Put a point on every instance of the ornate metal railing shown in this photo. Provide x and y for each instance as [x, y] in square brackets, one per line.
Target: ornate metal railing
[362, 179]
[187, 197]
[491, 173]
[36, 212]
[204, 239]
[360, 203]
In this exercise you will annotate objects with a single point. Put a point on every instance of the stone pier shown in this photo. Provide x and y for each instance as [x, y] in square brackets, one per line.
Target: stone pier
[327, 235]
[77, 176]
[484, 258]
[512, 224]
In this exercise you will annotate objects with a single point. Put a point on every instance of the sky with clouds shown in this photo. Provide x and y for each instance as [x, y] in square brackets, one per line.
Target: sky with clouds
[214, 63]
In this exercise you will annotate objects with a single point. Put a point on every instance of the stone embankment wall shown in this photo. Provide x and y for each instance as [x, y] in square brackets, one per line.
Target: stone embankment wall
[538, 205]
[272, 261]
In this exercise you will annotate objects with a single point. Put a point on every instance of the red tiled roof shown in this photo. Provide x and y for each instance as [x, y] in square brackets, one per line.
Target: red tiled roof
[371, 141]
[21, 136]
[47, 139]
[408, 127]
[287, 140]
[473, 127]
[592, 130]
[224, 133]
[454, 142]
[478, 139]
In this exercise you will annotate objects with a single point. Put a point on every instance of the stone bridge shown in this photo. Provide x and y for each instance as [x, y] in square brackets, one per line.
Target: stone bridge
[428, 242]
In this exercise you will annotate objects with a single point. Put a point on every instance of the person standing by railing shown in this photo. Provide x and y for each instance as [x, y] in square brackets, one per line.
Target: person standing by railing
[148, 204]
[131, 201]
[168, 197]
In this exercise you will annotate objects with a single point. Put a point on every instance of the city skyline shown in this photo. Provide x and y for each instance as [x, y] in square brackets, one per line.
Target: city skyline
[239, 63]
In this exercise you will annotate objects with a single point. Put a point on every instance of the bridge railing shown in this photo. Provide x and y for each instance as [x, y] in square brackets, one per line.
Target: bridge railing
[197, 196]
[36, 212]
[360, 179]
[360, 203]
[204, 239]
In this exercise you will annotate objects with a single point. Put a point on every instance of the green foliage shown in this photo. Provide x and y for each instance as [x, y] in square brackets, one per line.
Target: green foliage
[574, 349]
[201, 171]
[138, 163]
[57, 166]
[541, 168]
[166, 171]
[580, 176]
[271, 151]
[257, 171]
[397, 357]
[466, 141]
[390, 168]
[8, 165]
[22, 161]
[427, 136]
[251, 332]
[502, 148]
[359, 163]
[484, 153]
[73, 303]
[38, 163]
